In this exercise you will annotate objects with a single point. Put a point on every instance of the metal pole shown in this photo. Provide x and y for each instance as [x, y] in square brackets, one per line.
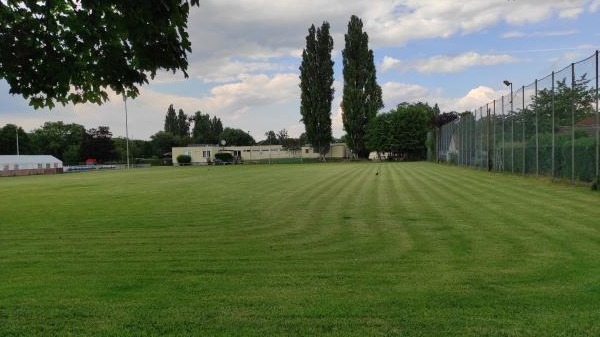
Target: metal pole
[512, 130]
[537, 136]
[490, 162]
[597, 122]
[494, 137]
[523, 142]
[17, 131]
[503, 133]
[553, 132]
[126, 129]
[573, 123]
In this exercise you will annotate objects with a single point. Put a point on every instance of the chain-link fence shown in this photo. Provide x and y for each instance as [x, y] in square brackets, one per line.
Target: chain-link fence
[550, 127]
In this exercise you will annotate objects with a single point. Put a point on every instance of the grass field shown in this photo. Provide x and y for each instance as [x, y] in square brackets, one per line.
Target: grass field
[319, 249]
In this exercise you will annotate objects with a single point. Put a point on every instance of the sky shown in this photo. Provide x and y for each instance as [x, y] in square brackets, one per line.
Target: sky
[246, 53]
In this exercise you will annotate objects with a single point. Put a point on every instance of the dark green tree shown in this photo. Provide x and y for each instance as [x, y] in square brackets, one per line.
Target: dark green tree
[237, 137]
[402, 132]
[316, 84]
[162, 142]
[183, 125]
[65, 51]
[8, 140]
[206, 129]
[362, 95]
[64, 141]
[171, 122]
[566, 98]
[98, 144]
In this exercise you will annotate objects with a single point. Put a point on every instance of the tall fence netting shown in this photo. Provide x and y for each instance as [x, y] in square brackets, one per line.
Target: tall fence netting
[550, 127]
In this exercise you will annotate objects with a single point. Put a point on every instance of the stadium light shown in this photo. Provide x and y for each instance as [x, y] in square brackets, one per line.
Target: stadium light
[126, 129]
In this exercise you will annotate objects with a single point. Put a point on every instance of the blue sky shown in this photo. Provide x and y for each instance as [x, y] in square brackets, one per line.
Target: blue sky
[246, 54]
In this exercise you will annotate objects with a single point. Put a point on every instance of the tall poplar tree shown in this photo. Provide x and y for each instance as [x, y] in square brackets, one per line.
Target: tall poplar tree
[171, 121]
[362, 95]
[316, 84]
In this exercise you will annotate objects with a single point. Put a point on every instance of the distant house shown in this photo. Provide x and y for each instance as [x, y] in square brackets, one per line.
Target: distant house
[205, 154]
[23, 165]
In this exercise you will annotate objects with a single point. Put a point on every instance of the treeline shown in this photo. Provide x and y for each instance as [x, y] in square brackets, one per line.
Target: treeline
[74, 144]
[200, 128]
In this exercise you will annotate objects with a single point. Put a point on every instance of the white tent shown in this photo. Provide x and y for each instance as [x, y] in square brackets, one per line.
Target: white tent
[14, 163]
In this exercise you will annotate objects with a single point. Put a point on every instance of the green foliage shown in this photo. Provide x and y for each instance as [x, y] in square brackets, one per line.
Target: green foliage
[206, 130]
[362, 95]
[171, 120]
[401, 133]
[56, 138]
[98, 144]
[236, 137]
[73, 51]
[184, 159]
[567, 99]
[316, 85]
[8, 140]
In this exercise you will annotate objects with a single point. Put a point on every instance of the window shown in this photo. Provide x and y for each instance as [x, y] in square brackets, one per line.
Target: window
[205, 154]
[306, 151]
[55, 165]
[40, 166]
[48, 165]
[16, 167]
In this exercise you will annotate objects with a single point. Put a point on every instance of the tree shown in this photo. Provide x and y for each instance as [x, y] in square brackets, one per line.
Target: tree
[171, 122]
[65, 51]
[163, 142]
[271, 138]
[183, 125]
[237, 137]
[566, 97]
[99, 145]
[316, 84]
[402, 132]
[362, 95]
[282, 136]
[61, 140]
[206, 130]
[8, 140]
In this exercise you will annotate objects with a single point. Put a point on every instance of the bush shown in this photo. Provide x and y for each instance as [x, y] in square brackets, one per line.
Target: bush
[184, 159]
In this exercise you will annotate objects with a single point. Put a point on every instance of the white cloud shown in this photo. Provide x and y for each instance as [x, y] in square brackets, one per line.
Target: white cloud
[520, 34]
[475, 98]
[447, 64]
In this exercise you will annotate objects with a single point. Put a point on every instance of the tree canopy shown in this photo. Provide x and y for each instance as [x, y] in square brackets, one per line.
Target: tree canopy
[65, 51]
[402, 132]
[316, 85]
[362, 95]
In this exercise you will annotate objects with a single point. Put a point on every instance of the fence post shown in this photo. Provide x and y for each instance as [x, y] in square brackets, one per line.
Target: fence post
[553, 132]
[597, 122]
[523, 127]
[537, 135]
[573, 123]
[489, 138]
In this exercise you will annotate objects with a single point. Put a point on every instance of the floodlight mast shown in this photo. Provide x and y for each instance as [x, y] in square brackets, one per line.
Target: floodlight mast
[126, 129]
[512, 125]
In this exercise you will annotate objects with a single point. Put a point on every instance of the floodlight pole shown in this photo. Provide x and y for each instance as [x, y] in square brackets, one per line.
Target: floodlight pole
[126, 129]
[512, 126]
[17, 131]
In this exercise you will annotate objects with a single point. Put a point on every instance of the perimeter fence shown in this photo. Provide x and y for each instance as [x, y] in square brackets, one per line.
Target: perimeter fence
[550, 127]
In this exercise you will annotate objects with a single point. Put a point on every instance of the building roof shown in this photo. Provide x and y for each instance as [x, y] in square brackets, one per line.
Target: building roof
[28, 159]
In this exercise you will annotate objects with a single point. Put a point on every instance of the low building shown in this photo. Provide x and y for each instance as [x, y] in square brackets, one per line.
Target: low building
[23, 165]
[205, 154]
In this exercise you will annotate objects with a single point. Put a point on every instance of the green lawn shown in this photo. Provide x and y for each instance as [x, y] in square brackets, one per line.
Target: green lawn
[315, 249]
